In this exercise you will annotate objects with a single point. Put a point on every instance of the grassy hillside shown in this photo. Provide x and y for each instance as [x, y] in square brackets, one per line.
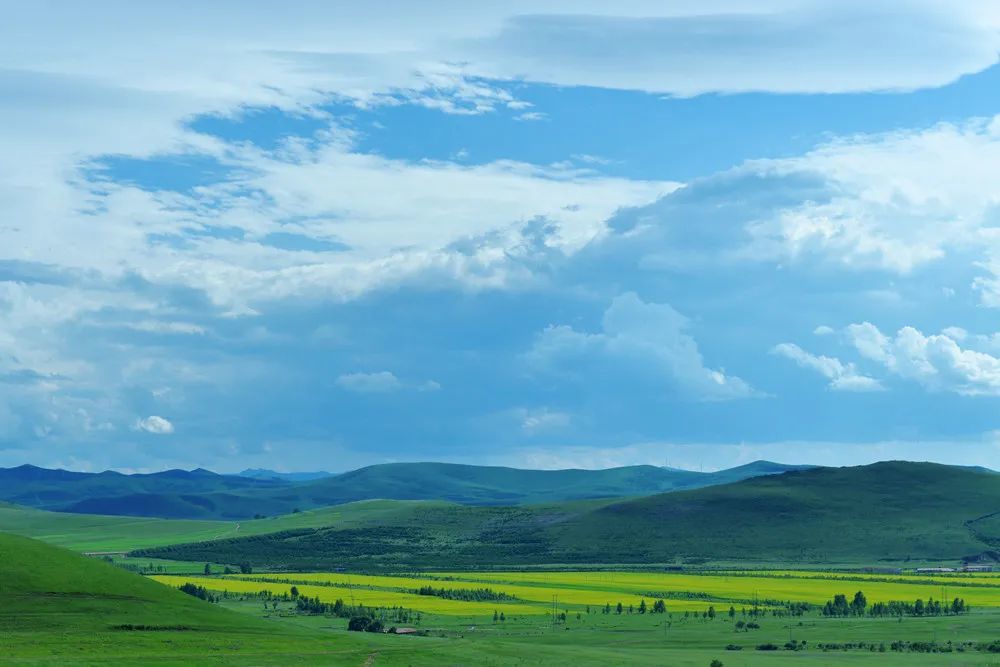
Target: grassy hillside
[201, 494]
[892, 510]
[869, 514]
[96, 533]
[58, 607]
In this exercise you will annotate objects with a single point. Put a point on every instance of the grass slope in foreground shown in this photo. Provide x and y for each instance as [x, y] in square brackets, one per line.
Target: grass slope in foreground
[58, 607]
[893, 511]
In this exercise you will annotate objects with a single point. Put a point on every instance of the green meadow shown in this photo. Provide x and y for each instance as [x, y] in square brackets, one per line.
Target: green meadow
[103, 533]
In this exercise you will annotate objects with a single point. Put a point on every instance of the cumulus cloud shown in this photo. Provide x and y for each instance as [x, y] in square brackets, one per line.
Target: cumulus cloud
[156, 425]
[842, 377]
[936, 361]
[370, 383]
[646, 342]
[882, 202]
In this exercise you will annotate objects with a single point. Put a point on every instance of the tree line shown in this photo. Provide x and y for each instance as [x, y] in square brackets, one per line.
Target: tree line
[466, 594]
[858, 606]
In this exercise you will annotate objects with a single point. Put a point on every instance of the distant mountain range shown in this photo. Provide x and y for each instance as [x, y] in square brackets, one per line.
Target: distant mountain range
[867, 515]
[202, 494]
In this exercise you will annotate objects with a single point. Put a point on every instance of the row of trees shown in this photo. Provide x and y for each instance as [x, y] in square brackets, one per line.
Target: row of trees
[858, 606]
[918, 608]
[658, 607]
[468, 594]
[315, 606]
[199, 592]
[245, 568]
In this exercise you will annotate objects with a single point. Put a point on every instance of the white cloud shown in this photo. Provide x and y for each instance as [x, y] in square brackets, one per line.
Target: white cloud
[842, 377]
[810, 47]
[647, 342]
[154, 326]
[543, 419]
[894, 202]
[936, 361]
[156, 425]
[370, 383]
[823, 330]
[957, 333]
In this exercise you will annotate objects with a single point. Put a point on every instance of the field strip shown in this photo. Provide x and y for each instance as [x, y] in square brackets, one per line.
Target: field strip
[529, 593]
[725, 586]
[357, 596]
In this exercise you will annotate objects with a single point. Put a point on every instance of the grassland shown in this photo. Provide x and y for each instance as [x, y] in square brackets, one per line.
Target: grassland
[100, 533]
[61, 608]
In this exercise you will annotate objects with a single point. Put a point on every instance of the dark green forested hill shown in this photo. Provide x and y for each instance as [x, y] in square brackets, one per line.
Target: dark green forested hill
[891, 510]
[193, 494]
[886, 511]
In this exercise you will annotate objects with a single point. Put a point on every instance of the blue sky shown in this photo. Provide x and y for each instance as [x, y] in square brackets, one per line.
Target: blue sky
[543, 235]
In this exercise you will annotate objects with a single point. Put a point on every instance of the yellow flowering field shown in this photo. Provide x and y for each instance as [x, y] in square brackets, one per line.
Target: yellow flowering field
[575, 590]
[529, 592]
[813, 587]
[372, 598]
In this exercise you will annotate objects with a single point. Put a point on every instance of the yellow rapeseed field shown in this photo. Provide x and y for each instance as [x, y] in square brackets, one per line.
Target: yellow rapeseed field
[357, 596]
[574, 591]
[541, 594]
[813, 587]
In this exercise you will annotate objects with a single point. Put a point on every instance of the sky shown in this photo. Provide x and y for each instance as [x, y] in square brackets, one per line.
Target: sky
[322, 235]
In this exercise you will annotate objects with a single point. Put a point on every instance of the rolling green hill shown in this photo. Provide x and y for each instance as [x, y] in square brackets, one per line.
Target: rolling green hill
[494, 485]
[893, 511]
[57, 607]
[201, 494]
[99, 533]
